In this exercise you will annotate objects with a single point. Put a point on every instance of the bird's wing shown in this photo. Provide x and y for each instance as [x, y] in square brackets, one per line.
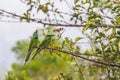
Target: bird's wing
[31, 43]
[43, 42]
[41, 47]
[29, 50]
[35, 43]
[38, 50]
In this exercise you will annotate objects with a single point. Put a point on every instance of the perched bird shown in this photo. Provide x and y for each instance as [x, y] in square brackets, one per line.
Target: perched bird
[33, 43]
[43, 44]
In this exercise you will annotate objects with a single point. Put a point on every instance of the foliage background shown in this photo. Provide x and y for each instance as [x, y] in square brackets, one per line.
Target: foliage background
[100, 22]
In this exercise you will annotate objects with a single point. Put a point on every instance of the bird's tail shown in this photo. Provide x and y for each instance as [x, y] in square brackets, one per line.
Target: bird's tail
[23, 65]
[37, 51]
[26, 59]
[34, 55]
[28, 56]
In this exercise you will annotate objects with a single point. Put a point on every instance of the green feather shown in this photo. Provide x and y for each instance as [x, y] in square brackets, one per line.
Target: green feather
[43, 44]
[33, 43]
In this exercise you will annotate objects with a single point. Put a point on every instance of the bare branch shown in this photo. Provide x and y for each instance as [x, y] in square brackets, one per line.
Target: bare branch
[55, 24]
[91, 60]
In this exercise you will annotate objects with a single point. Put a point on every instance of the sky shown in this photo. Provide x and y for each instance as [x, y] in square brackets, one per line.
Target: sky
[10, 33]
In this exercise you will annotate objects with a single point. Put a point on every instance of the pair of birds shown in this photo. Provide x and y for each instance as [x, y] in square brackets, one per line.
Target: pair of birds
[34, 42]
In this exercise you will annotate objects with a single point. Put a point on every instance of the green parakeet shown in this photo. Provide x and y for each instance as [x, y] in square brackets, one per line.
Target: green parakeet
[43, 44]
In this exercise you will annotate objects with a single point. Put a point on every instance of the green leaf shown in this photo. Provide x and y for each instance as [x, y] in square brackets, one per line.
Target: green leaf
[75, 1]
[85, 27]
[118, 32]
[115, 8]
[102, 34]
[78, 38]
[67, 39]
[43, 7]
[87, 1]
[118, 20]
[63, 44]
[78, 5]
[27, 17]
[111, 36]
[107, 29]
[108, 6]
[75, 21]
[71, 18]
[113, 22]
[92, 20]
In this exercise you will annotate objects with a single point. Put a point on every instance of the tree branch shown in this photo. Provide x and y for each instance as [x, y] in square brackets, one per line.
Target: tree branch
[91, 60]
[54, 24]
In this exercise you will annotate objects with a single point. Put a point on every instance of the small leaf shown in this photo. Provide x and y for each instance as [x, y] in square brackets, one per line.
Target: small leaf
[63, 43]
[87, 1]
[67, 39]
[78, 5]
[115, 8]
[102, 11]
[40, 7]
[111, 36]
[75, 1]
[118, 20]
[85, 27]
[102, 34]
[75, 21]
[107, 29]
[108, 6]
[71, 18]
[113, 22]
[78, 38]
[21, 18]
[118, 32]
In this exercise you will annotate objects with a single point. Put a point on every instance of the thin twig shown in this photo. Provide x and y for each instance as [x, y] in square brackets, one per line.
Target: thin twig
[54, 24]
[91, 60]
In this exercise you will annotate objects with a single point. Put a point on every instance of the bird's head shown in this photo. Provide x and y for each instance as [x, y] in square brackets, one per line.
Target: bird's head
[35, 34]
